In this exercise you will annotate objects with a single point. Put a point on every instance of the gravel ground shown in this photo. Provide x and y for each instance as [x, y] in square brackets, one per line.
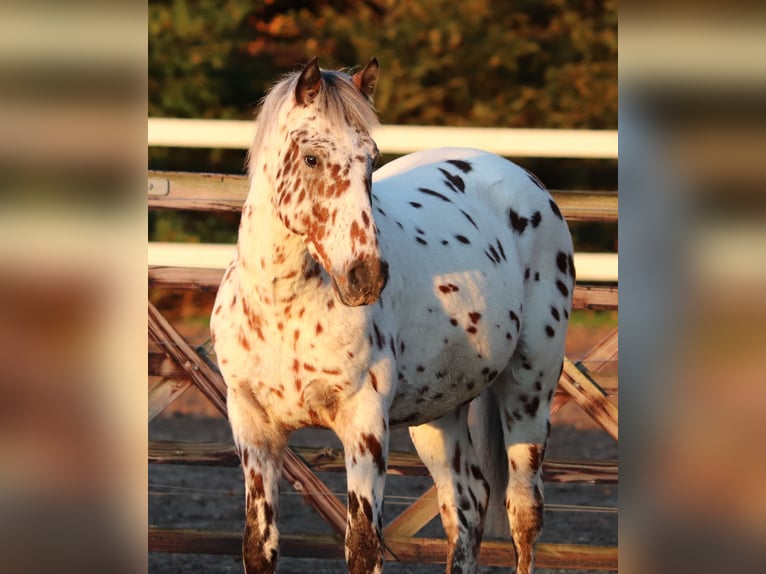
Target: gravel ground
[213, 498]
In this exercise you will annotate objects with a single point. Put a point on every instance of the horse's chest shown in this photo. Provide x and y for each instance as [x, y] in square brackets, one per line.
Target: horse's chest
[298, 348]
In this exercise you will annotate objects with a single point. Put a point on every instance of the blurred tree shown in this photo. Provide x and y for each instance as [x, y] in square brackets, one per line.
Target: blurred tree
[549, 63]
[515, 63]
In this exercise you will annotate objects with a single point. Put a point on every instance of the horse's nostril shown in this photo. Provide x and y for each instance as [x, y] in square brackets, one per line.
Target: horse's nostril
[357, 275]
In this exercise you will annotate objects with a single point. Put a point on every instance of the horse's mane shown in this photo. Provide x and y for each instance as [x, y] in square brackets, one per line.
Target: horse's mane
[340, 100]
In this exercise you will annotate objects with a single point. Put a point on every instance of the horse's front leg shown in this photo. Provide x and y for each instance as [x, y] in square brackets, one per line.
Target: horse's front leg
[260, 444]
[363, 430]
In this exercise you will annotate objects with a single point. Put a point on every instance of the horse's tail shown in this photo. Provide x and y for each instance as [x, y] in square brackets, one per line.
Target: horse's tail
[487, 437]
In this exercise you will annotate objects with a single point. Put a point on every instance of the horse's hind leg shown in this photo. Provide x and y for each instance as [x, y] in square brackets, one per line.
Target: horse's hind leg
[260, 448]
[445, 447]
[523, 394]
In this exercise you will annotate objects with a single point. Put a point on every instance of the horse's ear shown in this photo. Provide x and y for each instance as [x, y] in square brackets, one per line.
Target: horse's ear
[367, 79]
[309, 83]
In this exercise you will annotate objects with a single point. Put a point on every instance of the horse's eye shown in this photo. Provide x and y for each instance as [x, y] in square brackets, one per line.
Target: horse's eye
[311, 160]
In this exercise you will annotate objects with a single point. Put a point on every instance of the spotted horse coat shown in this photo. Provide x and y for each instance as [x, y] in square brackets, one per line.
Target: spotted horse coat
[358, 301]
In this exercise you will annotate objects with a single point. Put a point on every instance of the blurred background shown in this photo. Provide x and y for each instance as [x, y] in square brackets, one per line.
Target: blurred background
[79, 80]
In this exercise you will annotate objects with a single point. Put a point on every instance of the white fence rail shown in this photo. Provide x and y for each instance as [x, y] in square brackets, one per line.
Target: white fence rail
[509, 142]
[590, 266]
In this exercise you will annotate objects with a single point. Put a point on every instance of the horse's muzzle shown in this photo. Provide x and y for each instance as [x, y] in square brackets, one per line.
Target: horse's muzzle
[364, 281]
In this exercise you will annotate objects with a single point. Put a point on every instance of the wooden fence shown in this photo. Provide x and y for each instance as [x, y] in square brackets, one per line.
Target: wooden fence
[178, 365]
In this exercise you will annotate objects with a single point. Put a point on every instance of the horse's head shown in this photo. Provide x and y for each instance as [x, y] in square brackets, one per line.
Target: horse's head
[323, 177]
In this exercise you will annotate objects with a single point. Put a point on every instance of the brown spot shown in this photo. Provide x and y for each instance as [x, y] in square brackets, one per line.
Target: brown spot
[374, 381]
[256, 484]
[319, 328]
[331, 371]
[549, 331]
[357, 235]
[456, 459]
[243, 340]
[309, 368]
[531, 407]
[380, 339]
[474, 316]
[472, 330]
[376, 451]
[535, 457]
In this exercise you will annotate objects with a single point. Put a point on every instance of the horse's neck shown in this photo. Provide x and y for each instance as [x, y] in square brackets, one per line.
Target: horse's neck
[267, 251]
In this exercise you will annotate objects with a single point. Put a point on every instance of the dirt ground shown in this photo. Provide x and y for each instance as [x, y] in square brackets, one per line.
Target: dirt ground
[213, 498]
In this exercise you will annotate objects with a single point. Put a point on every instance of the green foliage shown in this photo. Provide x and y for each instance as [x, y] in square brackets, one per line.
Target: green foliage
[549, 63]
[520, 63]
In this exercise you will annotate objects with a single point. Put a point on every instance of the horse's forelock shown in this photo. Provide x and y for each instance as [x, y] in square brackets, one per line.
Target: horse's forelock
[339, 100]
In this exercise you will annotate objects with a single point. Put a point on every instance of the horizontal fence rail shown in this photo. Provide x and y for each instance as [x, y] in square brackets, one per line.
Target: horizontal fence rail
[397, 139]
[173, 277]
[421, 550]
[226, 194]
[590, 266]
[219, 193]
[399, 463]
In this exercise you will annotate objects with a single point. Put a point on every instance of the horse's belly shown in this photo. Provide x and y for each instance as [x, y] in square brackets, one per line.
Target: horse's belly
[433, 382]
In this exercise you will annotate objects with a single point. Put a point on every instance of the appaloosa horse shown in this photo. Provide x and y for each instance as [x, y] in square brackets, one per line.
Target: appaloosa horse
[357, 301]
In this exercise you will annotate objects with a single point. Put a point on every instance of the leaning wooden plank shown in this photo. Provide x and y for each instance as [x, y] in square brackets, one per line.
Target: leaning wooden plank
[164, 393]
[604, 354]
[161, 365]
[590, 397]
[585, 296]
[415, 517]
[409, 550]
[597, 360]
[212, 385]
[175, 346]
